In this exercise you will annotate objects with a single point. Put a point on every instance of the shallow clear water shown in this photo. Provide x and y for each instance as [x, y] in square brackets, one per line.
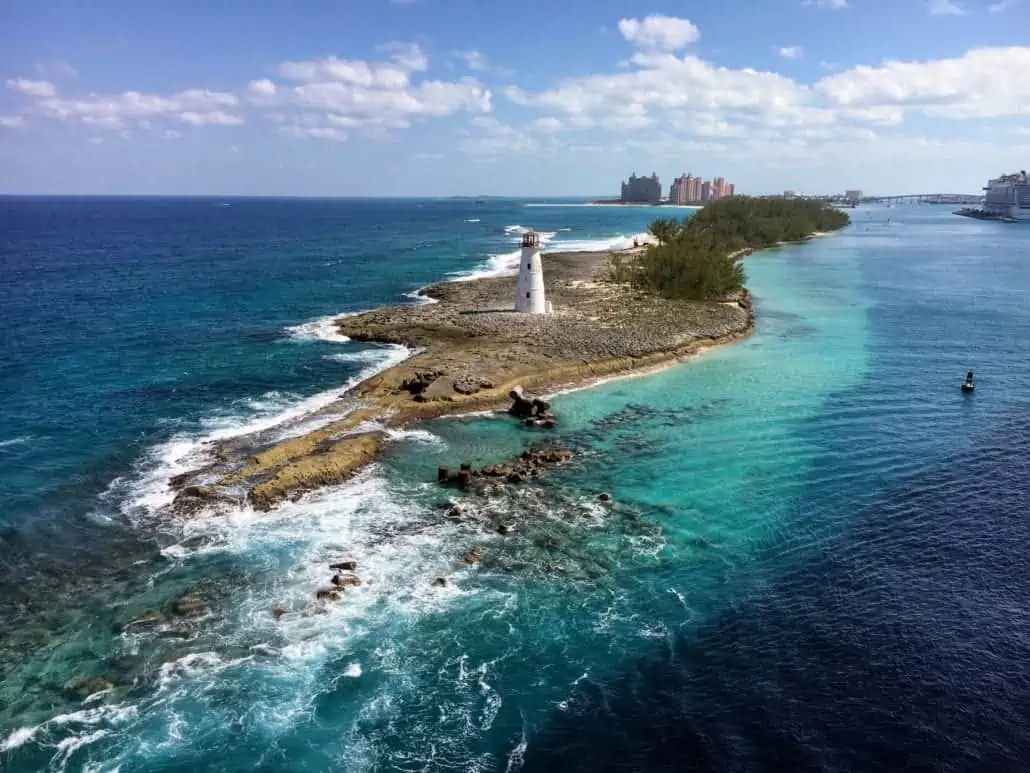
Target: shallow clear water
[815, 559]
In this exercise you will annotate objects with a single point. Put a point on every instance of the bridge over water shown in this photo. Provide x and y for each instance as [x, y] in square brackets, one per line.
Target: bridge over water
[926, 198]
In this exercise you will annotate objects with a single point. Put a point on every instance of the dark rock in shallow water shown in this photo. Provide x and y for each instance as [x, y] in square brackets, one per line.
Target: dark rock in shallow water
[328, 594]
[346, 566]
[605, 497]
[440, 582]
[81, 687]
[343, 580]
[189, 605]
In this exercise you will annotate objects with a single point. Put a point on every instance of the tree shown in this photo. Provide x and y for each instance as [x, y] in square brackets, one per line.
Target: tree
[695, 258]
[664, 230]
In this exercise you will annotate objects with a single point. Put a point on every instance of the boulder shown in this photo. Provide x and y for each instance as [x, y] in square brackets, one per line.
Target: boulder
[192, 499]
[473, 556]
[521, 406]
[81, 687]
[189, 605]
[328, 594]
[343, 580]
[440, 582]
[467, 384]
[420, 382]
[346, 566]
[604, 497]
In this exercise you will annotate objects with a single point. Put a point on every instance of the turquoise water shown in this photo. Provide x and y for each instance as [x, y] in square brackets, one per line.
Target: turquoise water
[814, 559]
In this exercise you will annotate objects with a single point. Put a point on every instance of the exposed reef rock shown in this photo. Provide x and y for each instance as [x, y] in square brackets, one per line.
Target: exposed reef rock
[470, 353]
[531, 463]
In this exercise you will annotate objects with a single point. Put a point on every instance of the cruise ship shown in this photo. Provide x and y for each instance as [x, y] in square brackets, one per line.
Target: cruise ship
[1005, 198]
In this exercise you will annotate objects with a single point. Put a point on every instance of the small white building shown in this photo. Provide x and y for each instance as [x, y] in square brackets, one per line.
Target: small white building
[529, 289]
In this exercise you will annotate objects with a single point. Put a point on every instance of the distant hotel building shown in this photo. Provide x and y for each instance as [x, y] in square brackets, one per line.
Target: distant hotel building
[687, 189]
[641, 190]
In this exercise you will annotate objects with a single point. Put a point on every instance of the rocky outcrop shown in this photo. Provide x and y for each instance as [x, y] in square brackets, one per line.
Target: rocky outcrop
[472, 356]
[332, 466]
[530, 464]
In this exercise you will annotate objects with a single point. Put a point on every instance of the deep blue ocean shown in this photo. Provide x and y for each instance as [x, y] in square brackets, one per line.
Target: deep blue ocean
[816, 559]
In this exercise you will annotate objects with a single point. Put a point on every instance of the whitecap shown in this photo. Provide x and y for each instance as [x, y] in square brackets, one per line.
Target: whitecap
[353, 670]
[148, 491]
[321, 329]
[15, 441]
[19, 737]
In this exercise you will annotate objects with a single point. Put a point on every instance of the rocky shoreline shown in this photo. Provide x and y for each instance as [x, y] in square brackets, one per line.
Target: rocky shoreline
[471, 352]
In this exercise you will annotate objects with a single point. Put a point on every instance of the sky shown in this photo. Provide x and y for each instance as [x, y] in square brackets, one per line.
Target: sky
[527, 98]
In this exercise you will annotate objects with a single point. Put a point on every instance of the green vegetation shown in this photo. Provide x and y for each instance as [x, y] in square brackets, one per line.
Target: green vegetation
[696, 258]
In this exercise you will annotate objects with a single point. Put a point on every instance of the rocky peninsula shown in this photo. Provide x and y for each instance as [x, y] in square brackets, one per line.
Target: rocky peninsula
[470, 350]
[613, 314]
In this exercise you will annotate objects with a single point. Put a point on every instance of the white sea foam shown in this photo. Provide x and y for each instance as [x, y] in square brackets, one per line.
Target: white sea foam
[147, 491]
[505, 263]
[322, 329]
[419, 298]
[353, 670]
[19, 737]
[15, 441]
[472, 220]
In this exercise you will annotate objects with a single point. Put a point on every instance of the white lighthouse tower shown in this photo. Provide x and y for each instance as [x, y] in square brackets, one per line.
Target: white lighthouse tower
[529, 289]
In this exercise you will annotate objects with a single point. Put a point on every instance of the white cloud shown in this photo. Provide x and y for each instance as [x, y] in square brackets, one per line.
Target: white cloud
[664, 33]
[791, 52]
[95, 140]
[1001, 6]
[833, 5]
[12, 121]
[475, 60]
[490, 137]
[213, 118]
[262, 87]
[171, 134]
[314, 132]
[945, 8]
[982, 83]
[32, 88]
[111, 111]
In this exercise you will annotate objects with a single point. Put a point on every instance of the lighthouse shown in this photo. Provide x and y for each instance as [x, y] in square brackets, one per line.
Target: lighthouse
[529, 289]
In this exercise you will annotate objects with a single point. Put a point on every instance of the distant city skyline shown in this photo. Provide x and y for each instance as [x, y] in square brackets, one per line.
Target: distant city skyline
[426, 98]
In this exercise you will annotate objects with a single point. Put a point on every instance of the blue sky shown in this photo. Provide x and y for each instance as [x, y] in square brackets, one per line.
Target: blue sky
[564, 97]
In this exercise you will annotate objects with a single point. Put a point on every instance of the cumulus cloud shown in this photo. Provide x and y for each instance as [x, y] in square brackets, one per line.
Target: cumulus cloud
[687, 96]
[213, 118]
[32, 88]
[262, 87]
[790, 52]
[11, 121]
[945, 8]
[983, 83]
[474, 60]
[313, 132]
[833, 5]
[1001, 6]
[490, 137]
[111, 111]
[664, 33]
